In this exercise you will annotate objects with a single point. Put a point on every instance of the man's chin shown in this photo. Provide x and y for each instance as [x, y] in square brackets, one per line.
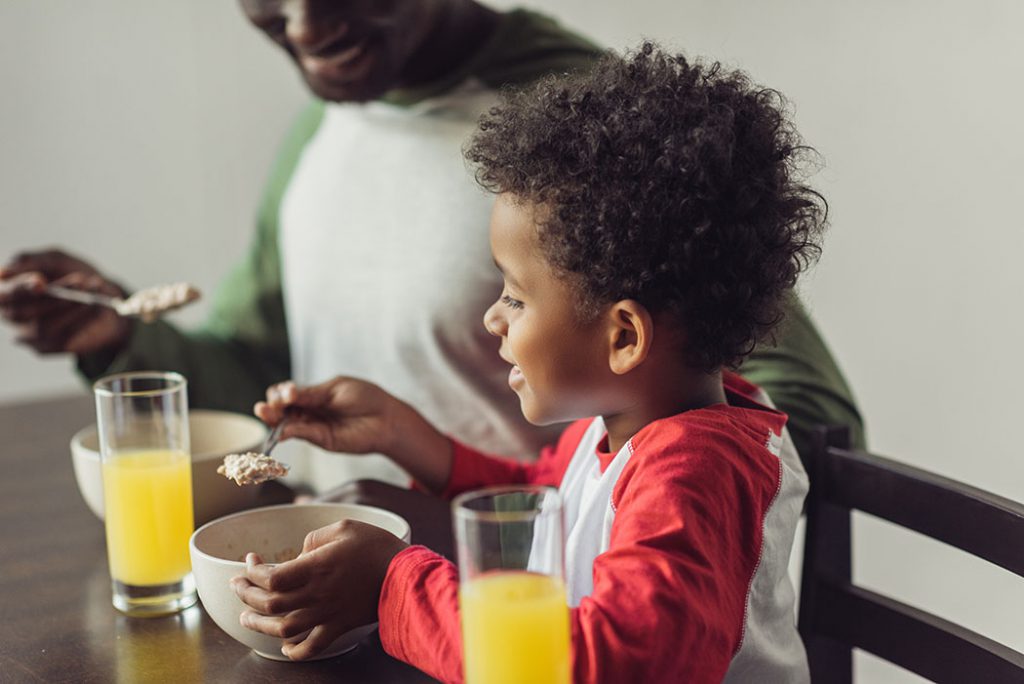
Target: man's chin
[356, 92]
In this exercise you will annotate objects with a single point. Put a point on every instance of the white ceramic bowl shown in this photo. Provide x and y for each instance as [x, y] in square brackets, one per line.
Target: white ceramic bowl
[218, 551]
[213, 435]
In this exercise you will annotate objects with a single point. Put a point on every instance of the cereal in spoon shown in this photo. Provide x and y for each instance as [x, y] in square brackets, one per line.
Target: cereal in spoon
[252, 467]
[149, 303]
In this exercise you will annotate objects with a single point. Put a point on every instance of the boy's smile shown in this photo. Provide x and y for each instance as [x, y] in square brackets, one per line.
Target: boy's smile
[558, 361]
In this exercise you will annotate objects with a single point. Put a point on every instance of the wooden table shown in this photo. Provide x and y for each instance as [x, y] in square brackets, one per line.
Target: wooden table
[56, 620]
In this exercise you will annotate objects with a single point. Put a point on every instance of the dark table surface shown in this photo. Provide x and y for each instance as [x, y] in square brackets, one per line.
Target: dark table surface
[56, 620]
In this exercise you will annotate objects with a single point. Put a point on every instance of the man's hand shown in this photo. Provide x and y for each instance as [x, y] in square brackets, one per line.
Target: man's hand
[332, 587]
[51, 325]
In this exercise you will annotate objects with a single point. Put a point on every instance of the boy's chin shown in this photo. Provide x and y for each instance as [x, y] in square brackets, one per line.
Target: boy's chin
[530, 412]
[537, 415]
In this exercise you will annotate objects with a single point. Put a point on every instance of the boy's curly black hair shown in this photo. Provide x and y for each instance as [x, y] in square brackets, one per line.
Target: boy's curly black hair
[673, 183]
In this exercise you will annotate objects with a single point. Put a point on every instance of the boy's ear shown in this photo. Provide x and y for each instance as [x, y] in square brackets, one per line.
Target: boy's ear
[630, 335]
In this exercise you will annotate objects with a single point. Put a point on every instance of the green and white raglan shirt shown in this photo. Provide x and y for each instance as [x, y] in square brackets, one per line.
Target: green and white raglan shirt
[372, 259]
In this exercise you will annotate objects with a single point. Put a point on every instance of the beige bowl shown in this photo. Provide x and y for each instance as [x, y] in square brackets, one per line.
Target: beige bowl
[218, 551]
[213, 435]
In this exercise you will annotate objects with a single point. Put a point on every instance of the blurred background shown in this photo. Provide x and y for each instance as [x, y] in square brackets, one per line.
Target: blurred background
[139, 135]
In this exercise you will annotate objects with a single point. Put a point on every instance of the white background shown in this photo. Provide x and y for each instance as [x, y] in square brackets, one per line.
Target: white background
[139, 134]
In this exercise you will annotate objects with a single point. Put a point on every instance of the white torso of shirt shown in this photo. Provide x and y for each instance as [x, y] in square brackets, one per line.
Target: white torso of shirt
[387, 272]
[587, 512]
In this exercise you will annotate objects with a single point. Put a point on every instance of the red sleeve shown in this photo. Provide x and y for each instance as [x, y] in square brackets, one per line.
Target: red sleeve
[472, 469]
[670, 592]
[419, 613]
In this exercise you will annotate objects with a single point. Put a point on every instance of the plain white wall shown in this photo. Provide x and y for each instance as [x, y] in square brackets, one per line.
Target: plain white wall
[139, 134]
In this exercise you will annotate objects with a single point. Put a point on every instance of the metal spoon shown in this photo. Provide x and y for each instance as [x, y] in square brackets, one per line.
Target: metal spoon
[274, 437]
[138, 305]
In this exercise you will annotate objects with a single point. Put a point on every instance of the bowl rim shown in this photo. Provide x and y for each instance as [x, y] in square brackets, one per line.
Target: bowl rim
[312, 504]
[94, 454]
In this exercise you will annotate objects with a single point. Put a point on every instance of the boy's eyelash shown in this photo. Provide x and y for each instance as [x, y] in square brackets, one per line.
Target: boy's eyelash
[511, 303]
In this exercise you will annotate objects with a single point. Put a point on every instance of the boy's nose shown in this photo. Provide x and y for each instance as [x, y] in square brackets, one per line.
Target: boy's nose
[494, 322]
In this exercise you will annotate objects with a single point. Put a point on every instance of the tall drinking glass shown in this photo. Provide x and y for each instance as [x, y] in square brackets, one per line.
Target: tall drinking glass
[515, 621]
[147, 490]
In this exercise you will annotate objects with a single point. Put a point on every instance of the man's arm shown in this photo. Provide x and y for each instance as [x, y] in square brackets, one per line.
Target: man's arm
[243, 346]
[802, 378]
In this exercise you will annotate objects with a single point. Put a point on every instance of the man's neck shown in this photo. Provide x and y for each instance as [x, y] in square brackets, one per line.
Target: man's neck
[462, 29]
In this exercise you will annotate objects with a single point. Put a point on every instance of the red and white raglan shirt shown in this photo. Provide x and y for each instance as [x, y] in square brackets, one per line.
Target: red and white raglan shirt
[676, 556]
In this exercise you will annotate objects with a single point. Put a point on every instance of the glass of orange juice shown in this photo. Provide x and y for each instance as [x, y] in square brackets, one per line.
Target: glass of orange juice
[147, 490]
[515, 620]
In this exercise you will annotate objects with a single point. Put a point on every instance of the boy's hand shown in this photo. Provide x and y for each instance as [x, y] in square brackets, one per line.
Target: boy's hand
[332, 587]
[343, 414]
[49, 325]
[357, 417]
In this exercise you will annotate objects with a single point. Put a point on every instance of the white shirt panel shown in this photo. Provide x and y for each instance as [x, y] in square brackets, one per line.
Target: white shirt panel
[387, 274]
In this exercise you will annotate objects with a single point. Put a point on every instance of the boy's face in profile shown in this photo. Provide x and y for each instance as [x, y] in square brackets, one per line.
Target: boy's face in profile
[559, 363]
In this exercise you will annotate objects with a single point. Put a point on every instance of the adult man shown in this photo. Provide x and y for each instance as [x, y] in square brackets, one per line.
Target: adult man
[371, 254]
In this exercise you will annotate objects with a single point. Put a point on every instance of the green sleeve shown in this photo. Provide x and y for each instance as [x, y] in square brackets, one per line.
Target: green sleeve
[243, 346]
[531, 45]
[800, 375]
[525, 46]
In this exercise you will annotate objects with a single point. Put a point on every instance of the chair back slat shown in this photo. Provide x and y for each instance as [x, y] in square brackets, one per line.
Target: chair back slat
[836, 615]
[920, 642]
[971, 519]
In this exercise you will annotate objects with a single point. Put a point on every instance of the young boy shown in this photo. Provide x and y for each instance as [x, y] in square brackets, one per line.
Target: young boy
[648, 224]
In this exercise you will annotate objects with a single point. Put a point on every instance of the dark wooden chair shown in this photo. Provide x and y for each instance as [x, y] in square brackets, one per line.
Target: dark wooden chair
[837, 615]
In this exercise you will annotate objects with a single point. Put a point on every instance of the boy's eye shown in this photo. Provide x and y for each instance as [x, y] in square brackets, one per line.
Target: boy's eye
[511, 303]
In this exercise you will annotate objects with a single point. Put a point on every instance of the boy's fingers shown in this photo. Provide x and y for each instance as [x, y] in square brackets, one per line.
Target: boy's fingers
[268, 413]
[281, 392]
[345, 532]
[278, 578]
[311, 430]
[298, 426]
[321, 536]
[264, 624]
[319, 638]
[282, 626]
[263, 601]
[313, 396]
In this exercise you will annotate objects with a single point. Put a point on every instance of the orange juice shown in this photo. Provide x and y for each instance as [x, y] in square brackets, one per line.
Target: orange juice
[515, 628]
[148, 502]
